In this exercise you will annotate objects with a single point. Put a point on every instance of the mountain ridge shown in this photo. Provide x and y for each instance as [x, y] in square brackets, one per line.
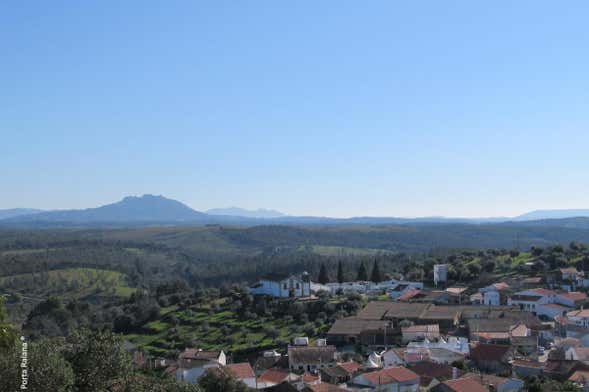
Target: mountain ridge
[157, 209]
[237, 211]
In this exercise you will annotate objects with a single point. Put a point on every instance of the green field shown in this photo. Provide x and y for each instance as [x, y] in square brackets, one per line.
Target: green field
[71, 283]
[215, 330]
[345, 251]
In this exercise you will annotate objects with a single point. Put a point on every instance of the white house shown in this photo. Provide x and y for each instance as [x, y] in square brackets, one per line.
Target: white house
[420, 332]
[571, 299]
[393, 357]
[440, 273]
[395, 379]
[451, 343]
[579, 317]
[551, 310]
[529, 300]
[278, 285]
[192, 363]
[492, 293]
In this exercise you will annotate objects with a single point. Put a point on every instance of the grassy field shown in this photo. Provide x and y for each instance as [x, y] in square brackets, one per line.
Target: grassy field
[70, 283]
[345, 251]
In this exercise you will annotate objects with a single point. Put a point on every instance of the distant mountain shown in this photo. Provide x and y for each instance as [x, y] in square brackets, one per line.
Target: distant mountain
[146, 208]
[13, 212]
[236, 211]
[552, 214]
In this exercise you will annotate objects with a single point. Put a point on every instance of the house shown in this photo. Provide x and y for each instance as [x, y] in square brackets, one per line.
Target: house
[393, 357]
[527, 367]
[324, 387]
[578, 354]
[476, 299]
[460, 385]
[352, 330]
[581, 379]
[579, 317]
[242, 372]
[431, 373]
[456, 294]
[532, 282]
[397, 288]
[528, 300]
[193, 362]
[272, 377]
[440, 274]
[395, 379]
[493, 294]
[311, 358]
[496, 383]
[569, 274]
[562, 369]
[451, 343]
[341, 373]
[420, 332]
[492, 357]
[551, 310]
[573, 299]
[283, 285]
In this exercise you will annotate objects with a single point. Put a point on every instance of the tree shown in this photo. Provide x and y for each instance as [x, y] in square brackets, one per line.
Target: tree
[215, 380]
[362, 274]
[340, 272]
[99, 360]
[376, 275]
[323, 277]
[46, 367]
[7, 330]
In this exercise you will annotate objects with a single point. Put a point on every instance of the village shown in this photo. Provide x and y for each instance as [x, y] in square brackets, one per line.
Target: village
[440, 339]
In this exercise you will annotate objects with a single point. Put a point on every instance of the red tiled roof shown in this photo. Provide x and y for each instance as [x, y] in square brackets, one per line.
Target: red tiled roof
[391, 375]
[583, 313]
[409, 294]
[308, 377]
[500, 286]
[489, 352]
[349, 367]
[241, 370]
[325, 387]
[465, 385]
[542, 291]
[533, 280]
[580, 376]
[275, 376]
[574, 295]
[527, 363]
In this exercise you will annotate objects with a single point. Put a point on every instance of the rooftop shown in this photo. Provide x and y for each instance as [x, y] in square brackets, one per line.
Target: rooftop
[391, 375]
[465, 385]
[241, 370]
[489, 352]
[311, 354]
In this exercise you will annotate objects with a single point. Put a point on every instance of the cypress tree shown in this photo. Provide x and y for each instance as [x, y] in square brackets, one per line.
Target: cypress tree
[340, 272]
[362, 274]
[376, 275]
[323, 277]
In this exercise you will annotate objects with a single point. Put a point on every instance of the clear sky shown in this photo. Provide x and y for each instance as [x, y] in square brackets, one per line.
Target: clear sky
[333, 108]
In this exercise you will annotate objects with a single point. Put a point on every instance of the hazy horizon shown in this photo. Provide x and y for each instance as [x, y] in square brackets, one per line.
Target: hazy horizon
[455, 109]
[304, 214]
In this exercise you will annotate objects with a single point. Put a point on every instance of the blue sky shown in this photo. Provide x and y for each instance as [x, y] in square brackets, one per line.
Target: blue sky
[335, 108]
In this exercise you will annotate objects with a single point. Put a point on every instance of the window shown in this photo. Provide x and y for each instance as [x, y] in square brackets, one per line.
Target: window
[285, 286]
[298, 286]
